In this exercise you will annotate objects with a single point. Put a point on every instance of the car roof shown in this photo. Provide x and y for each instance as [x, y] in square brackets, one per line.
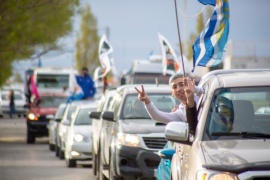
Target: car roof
[239, 77]
[130, 88]
[84, 101]
[88, 106]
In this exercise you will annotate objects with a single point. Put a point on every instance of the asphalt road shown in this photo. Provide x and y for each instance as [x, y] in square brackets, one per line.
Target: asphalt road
[21, 161]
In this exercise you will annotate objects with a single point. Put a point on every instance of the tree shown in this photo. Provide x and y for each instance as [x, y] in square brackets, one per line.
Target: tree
[26, 25]
[87, 42]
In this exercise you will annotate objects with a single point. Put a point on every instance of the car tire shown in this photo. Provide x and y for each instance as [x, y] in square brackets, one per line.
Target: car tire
[52, 147]
[56, 151]
[61, 153]
[71, 163]
[112, 175]
[101, 176]
[95, 162]
[30, 138]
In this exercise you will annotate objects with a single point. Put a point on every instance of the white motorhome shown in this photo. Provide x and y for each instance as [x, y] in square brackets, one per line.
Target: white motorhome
[53, 79]
[146, 72]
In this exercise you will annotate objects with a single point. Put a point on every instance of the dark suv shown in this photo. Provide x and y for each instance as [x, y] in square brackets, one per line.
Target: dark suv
[40, 113]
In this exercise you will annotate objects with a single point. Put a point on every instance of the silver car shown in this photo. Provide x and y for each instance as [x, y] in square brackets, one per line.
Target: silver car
[52, 126]
[232, 142]
[79, 136]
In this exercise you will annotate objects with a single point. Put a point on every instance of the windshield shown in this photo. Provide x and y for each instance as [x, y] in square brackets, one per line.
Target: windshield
[134, 108]
[234, 113]
[52, 80]
[83, 118]
[51, 101]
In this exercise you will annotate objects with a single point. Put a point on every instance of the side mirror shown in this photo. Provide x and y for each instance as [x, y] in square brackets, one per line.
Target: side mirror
[66, 122]
[108, 116]
[58, 120]
[177, 132]
[26, 106]
[49, 116]
[95, 115]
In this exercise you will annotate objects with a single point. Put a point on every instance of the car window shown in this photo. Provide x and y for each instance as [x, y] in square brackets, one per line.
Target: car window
[133, 109]
[60, 112]
[51, 101]
[236, 114]
[82, 117]
[70, 111]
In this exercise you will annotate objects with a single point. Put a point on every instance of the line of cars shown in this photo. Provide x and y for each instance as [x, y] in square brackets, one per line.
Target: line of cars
[70, 131]
[127, 140]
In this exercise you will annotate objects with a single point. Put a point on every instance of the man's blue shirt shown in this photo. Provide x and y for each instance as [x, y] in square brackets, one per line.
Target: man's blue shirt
[88, 86]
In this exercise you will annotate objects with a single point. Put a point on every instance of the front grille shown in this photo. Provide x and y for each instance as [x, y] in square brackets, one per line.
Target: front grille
[155, 142]
[43, 118]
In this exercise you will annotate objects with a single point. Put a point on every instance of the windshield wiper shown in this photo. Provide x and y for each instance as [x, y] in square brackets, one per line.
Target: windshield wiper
[244, 134]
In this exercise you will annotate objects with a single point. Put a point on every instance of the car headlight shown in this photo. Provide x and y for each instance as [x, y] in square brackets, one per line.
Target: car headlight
[214, 175]
[128, 139]
[80, 138]
[32, 116]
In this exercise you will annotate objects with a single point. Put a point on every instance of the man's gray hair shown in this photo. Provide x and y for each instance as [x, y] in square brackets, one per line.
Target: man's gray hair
[177, 75]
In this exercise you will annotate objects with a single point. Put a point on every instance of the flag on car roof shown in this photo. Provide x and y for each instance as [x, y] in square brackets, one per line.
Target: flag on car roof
[209, 47]
[104, 50]
[169, 58]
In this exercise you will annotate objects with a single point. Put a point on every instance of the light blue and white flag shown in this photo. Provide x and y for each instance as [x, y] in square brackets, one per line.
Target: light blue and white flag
[209, 47]
[76, 92]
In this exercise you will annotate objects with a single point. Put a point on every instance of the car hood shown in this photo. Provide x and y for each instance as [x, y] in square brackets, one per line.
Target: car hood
[44, 111]
[140, 126]
[236, 152]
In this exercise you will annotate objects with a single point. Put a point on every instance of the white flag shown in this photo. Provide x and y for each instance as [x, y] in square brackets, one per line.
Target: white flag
[169, 58]
[104, 50]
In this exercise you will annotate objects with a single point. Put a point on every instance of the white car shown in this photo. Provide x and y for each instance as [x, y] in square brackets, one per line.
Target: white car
[19, 99]
[64, 125]
[79, 136]
[52, 126]
[231, 142]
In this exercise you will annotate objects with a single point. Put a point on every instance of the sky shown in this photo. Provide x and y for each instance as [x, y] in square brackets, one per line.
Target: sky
[133, 26]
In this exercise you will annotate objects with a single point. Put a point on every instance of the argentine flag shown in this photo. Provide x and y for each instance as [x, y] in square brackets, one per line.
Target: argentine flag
[210, 45]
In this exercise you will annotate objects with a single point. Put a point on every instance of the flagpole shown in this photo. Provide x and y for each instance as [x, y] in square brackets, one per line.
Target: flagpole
[179, 38]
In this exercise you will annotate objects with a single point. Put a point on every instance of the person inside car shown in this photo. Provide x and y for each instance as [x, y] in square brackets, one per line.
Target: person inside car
[137, 110]
[183, 89]
[223, 115]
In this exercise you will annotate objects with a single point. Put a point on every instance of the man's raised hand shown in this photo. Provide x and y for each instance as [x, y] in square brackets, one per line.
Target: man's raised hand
[142, 96]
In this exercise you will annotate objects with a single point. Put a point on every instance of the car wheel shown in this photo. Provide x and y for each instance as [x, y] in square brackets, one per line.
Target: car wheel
[94, 165]
[30, 138]
[101, 175]
[112, 175]
[56, 151]
[71, 163]
[61, 154]
[52, 147]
